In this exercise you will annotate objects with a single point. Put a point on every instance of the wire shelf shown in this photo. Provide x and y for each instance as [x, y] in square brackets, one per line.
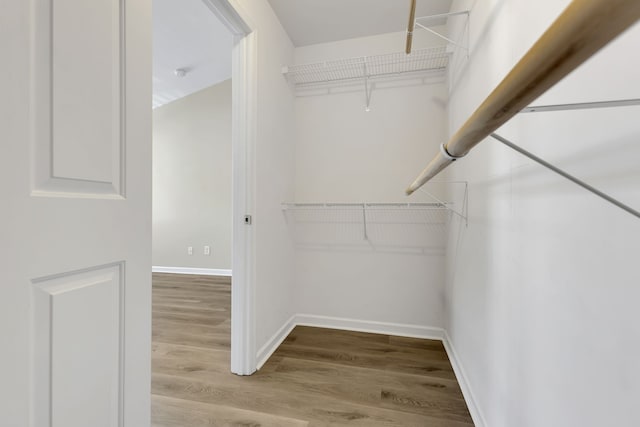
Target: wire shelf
[368, 206]
[435, 58]
[382, 225]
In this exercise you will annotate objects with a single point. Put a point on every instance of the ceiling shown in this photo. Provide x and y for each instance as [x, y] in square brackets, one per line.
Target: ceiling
[320, 21]
[187, 35]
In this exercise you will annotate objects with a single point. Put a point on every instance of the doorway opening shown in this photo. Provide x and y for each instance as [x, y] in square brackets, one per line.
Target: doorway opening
[193, 249]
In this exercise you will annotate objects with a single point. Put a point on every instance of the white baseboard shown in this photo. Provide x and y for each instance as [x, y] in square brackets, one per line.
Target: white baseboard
[403, 330]
[465, 386]
[191, 270]
[398, 329]
[274, 342]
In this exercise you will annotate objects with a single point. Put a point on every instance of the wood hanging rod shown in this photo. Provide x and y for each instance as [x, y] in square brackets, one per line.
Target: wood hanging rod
[410, 26]
[580, 31]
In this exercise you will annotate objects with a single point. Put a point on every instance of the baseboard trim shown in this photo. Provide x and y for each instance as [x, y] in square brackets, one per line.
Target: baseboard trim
[465, 386]
[398, 329]
[191, 270]
[274, 342]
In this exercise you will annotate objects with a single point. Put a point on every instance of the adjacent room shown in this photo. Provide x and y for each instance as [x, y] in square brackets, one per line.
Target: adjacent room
[192, 204]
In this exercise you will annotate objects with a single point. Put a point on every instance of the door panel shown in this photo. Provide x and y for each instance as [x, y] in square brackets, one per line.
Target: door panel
[86, 111]
[79, 82]
[78, 323]
[75, 248]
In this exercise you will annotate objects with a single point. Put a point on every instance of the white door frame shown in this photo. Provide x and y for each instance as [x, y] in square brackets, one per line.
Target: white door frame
[244, 105]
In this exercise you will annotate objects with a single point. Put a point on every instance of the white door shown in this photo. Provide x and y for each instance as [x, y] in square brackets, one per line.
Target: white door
[75, 241]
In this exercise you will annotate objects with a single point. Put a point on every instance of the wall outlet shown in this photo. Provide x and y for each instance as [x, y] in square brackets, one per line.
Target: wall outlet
[207, 250]
[190, 250]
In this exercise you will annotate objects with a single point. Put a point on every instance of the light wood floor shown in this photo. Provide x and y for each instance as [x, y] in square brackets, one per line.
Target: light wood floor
[318, 377]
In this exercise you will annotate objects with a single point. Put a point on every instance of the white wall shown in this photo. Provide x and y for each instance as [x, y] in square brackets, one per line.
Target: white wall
[344, 154]
[275, 171]
[192, 180]
[542, 287]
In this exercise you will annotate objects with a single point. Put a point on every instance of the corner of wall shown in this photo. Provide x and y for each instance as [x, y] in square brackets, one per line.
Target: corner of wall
[465, 385]
[272, 344]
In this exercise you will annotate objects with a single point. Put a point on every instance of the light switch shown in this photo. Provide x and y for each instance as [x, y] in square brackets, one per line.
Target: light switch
[207, 250]
[190, 250]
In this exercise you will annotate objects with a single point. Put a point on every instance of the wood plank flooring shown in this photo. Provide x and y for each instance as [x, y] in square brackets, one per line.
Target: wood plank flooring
[318, 377]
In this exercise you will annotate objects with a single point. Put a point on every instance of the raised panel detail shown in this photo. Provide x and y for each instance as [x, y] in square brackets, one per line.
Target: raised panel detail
[78, 98]
[78, 348]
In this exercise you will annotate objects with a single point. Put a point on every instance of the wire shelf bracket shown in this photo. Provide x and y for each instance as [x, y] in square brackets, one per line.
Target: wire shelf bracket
[566, 175]
[633, 102]
[582, 106]
[426, 22]
[463, 212]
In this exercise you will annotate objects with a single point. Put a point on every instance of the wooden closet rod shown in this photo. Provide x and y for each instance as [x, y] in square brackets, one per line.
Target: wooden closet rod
[580, 31]
[410, 26]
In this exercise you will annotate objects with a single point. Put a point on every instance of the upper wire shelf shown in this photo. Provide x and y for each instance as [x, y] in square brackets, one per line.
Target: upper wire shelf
[430, 59]
[385, 68]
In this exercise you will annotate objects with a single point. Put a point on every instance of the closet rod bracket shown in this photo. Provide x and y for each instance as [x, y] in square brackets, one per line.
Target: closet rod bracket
[566, 175]
[446, 155]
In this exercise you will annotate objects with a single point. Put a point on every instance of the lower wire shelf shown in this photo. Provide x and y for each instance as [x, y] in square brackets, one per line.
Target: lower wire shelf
[390, 226]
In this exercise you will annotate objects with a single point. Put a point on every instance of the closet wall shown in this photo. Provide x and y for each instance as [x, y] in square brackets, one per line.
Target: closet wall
[345, 154]
[275, 172]
[542, 287]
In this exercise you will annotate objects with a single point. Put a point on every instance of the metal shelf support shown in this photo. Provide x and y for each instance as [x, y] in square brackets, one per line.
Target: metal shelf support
[364, 221]
[464, 46]
[581, 106]
[566, 175]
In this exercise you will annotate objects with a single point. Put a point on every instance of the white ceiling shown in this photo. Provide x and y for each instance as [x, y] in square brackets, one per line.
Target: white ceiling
[320, 21]
[187, 35]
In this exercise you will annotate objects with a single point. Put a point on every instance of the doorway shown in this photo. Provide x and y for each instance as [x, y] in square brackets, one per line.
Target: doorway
[243, 76]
